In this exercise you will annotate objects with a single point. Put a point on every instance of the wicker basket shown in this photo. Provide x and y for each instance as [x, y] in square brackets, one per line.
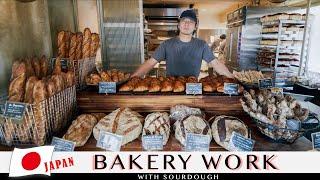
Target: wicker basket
[82, 68]
[283, 135]
[41, 121]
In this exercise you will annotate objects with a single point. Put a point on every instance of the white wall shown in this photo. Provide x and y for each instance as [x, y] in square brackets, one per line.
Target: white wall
[210, 14]
[88, 15]
[24, 31]
[314, 54]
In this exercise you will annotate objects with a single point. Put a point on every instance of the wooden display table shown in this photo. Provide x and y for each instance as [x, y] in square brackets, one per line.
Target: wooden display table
[262, 143]
[212, 105]
[94, 102]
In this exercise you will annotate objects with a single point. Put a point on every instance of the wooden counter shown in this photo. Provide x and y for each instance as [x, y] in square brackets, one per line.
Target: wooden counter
[212, 105]
[94, 102]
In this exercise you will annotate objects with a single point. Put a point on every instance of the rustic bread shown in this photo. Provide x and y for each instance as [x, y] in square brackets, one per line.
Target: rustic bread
[28, 96]
[17, 88]
[73, 47]
[179, 112]
[43, 67]
[223, 126]
[167, 85]
[191, 124]
[94, 44]
[39, 95]
[122, 121]
[179, 86]
[57, 66]
[157, 124]
[81, 129]
[79, 46]
[86, 43]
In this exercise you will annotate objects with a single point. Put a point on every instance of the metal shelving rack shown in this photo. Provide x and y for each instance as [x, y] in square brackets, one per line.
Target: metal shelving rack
[283, 37]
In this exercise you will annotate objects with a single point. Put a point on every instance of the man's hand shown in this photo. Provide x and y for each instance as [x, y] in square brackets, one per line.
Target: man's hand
[145, 67]
[221, 69]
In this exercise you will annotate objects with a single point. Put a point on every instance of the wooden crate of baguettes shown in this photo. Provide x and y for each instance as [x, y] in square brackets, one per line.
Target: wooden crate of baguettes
[180, 121]
[80, 49]
[49, 97]
[210, 84]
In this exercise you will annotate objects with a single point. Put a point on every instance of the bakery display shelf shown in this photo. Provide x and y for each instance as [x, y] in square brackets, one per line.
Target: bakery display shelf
[282, 48]
[93, 102]
[146, 93]
[282, 37]
[264, 69]
[277, 22]
[281, 57]
[273, 50]
[262, 143]
[284, 32]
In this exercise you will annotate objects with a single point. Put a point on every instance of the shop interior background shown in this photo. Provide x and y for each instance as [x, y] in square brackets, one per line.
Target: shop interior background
[29, 28]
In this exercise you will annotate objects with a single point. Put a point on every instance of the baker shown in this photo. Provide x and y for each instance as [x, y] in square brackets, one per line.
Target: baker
[184, 54]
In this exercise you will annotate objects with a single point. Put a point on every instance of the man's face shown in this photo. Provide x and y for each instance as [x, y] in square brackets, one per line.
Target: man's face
[187, 26]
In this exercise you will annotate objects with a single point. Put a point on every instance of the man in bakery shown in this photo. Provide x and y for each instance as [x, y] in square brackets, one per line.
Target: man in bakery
[184, 54]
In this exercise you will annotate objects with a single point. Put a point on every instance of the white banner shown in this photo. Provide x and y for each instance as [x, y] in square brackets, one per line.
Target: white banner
[177, 162]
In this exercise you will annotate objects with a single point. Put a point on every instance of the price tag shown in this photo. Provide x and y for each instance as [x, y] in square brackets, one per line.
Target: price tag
[231, 88]
[107, 87]
[152, 142]
[265, 83]
[276, 91]
[293, 124]
[1, 109]
[316, 140]
[240, 143]
[193, 88]
[109, 141]
[1, 135]
[197, 142]
[15, 110]
[64, 64]
[62, 144]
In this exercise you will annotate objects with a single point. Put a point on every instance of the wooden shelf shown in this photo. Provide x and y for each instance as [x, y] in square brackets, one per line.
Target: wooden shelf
[93, 102]
[262, 143]
[144, 104]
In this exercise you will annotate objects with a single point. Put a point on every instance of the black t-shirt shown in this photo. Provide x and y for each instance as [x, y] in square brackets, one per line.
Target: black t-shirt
[183, 58]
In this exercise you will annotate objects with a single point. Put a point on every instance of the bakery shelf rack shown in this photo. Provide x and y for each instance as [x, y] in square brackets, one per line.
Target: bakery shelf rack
[282, 39]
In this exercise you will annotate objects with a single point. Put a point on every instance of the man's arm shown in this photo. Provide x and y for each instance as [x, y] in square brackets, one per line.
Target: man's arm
[145, 68]
[220, 68]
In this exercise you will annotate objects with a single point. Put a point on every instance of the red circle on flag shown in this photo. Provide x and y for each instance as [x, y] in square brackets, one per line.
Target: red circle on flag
[31, 161]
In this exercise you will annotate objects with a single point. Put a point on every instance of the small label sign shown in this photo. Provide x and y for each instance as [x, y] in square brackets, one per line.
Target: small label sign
[265, 83]
[152, 142]
[1, 109]
[64, 64]
[107, 87]
[293, 124]
[240, 143]
[231, 88]
[193, 88]
[316, 140]
[197, 142]
[62, 144]
[14, 110]
[1, 135]
[109, 141]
